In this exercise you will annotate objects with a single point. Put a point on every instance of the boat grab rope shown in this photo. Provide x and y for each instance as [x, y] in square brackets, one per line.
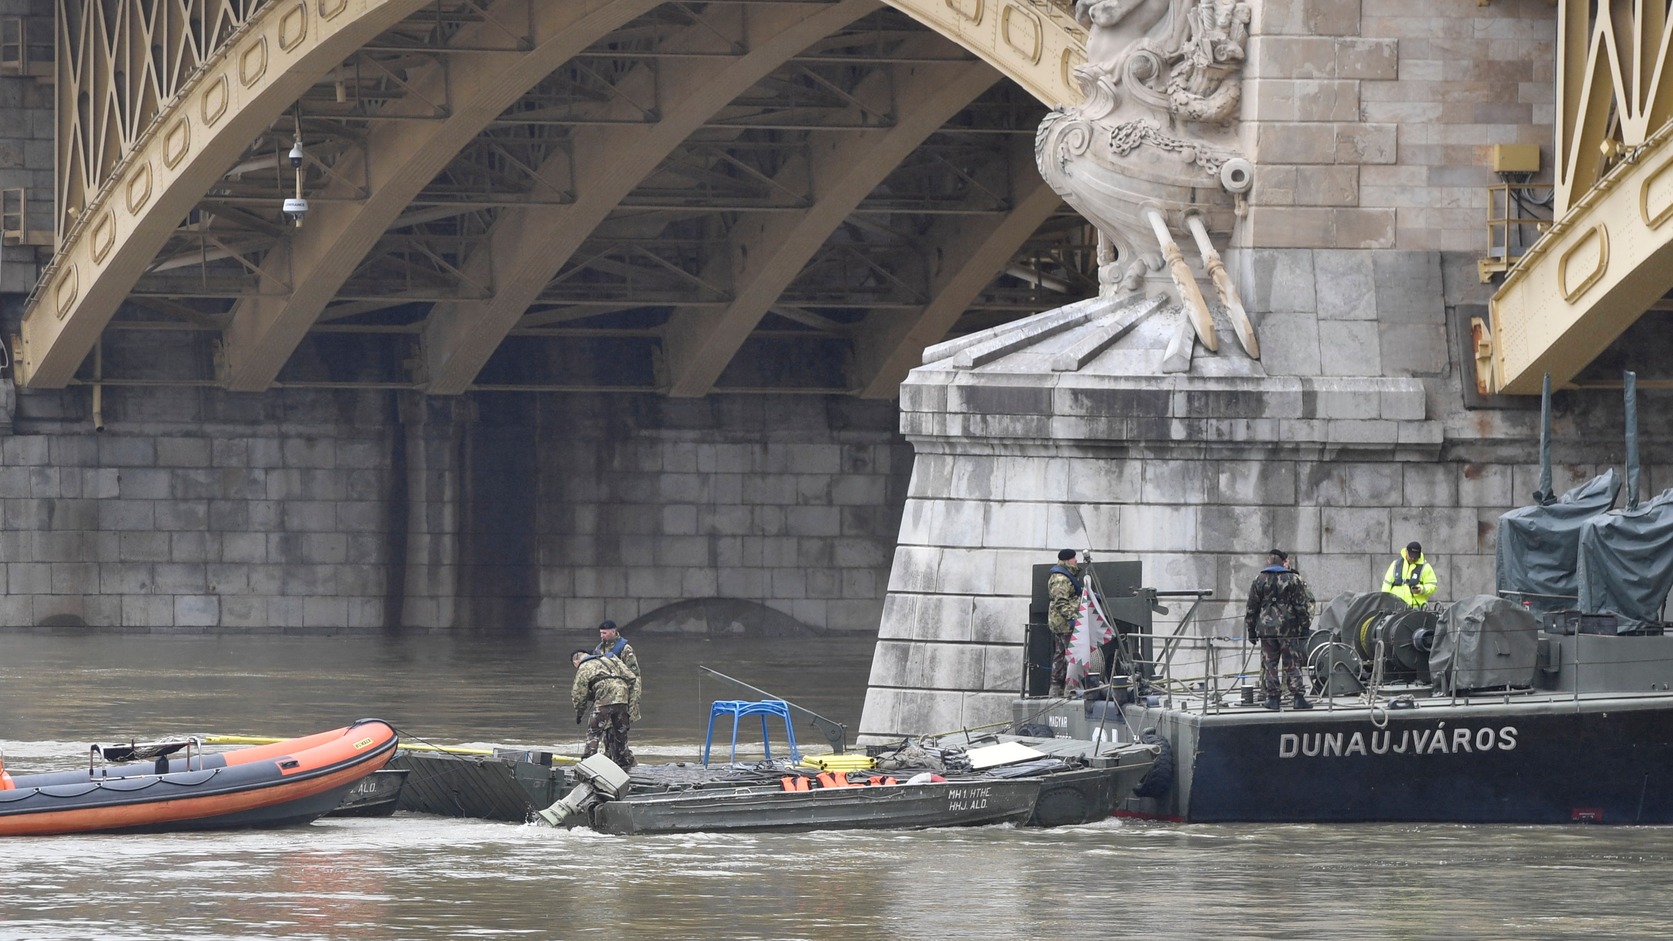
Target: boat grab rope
[1379, 712]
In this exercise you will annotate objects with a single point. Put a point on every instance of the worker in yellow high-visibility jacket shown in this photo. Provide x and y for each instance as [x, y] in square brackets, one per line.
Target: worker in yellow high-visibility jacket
[1410, 577]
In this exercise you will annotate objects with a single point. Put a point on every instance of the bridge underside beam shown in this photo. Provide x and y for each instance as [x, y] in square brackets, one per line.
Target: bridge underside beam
[281, 51]
[517, 194]
[766, 254]
[529, 245]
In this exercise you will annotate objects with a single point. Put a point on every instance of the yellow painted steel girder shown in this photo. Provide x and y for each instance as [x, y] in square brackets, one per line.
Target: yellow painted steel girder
[235, 94]
[164, 166]
[1607, 258]
[1590, 277]
[1035, 44]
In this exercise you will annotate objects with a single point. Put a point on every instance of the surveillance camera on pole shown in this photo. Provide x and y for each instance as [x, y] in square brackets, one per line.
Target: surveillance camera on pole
[296, 207]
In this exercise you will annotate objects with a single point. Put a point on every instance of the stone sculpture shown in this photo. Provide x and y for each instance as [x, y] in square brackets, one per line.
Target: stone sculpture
[1152, 150]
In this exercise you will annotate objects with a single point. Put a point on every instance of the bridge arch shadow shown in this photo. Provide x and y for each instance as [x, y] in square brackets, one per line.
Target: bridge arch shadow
[720, 617]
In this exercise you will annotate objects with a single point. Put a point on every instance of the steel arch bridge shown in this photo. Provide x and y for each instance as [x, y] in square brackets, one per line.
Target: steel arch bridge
[631, 195]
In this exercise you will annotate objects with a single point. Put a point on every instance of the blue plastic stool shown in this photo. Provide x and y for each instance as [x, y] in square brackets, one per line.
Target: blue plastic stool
[737, 709]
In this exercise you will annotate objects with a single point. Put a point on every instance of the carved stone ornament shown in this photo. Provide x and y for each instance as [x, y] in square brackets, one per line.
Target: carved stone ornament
[1152, 151]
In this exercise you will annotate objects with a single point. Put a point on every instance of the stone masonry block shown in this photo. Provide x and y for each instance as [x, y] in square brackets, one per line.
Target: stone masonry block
[1413, 349]
[913, 569]
[1351, 348]
[1290, 141]
[1013, 568]
[1409, 287]
[74, 578]
[1276, 185]
[1443, 530]
[1158, 528]
[1282, 282]
[1369, 59]
[1290, 344]
[1307, 17]
[1291, 57]
[148, 610]
[1468, 575]
[197, 611]
[1350, 484]
[1328, 186]
[221, 579]
[1014, 524]
[179, 578]
[194, 547]
[1353, 529]
[1095, 480]
[1431, 484]
[1262, 482]
[1362, 144]
[145, 483]
[998, 619]
[324, 612]
[20, 450]
[965, 571]
[1168, 481]
[1485, 485]
[1081, 525]
[1403, 405]
[123, 514]
[176, 515]
[183, 452]
[956, 522]
[127, 452]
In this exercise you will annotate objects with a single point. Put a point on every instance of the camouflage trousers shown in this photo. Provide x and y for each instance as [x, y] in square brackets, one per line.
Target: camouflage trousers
[1281, 653]
[1059, 659]
[609, 726]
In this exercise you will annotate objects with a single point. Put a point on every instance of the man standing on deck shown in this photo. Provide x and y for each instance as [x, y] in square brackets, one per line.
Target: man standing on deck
[1278, 619]
[611, 643]
[1063, 588]
[1410, 577]
[613, 690]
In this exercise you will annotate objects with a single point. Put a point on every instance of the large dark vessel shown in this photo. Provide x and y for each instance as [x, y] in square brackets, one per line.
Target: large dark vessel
[1546, 702]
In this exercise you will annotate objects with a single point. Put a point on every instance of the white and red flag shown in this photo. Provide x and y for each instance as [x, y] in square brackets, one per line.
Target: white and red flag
[1092, 629]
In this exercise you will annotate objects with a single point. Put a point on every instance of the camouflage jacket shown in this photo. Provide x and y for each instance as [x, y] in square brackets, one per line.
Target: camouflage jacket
[623, 651]
[1065, 598]
[605, 681]
[1279, 604]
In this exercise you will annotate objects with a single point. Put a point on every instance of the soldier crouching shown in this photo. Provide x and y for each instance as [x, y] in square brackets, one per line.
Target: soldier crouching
[613, 690]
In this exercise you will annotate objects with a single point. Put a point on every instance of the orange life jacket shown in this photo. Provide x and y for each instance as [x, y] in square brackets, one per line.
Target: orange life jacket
[793, 782]
[832, 779]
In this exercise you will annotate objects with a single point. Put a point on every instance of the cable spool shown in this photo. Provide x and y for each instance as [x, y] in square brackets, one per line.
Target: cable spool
[1336, 668]
[1406, 636]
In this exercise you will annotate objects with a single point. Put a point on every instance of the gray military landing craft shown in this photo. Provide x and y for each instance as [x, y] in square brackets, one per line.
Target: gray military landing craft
[1547, 702]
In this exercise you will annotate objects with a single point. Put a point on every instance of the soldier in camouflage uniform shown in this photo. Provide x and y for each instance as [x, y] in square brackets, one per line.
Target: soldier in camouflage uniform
[1063, 588]
[611, 643]
[613, 690]
[1278, 618]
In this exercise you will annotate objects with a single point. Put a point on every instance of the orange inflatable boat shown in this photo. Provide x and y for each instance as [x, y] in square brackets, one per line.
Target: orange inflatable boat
[275, 785]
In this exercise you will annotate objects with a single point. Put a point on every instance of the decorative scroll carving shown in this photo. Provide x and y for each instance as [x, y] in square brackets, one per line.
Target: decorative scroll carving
[1154, 139]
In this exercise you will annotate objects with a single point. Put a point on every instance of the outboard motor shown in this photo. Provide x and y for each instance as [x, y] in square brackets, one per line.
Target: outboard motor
[598, 779]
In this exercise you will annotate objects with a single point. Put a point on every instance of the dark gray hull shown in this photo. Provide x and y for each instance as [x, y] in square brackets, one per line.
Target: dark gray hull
[886, 807]
[375, 795]
[1530, 760]
[487, 788]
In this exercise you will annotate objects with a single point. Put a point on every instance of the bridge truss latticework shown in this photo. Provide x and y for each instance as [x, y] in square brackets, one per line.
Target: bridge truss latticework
[597, 194]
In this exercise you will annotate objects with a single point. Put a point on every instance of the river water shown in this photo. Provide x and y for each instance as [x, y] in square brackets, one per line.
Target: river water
[414, 876]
